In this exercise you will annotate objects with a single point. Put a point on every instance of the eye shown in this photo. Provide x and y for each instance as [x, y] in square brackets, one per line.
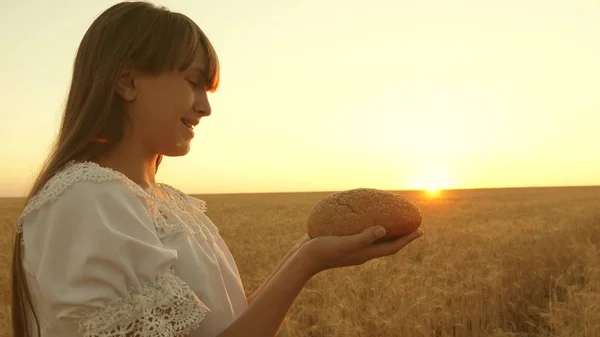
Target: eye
[193, 83]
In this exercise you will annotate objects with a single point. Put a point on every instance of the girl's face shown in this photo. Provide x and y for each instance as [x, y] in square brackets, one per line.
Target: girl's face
[164, 109]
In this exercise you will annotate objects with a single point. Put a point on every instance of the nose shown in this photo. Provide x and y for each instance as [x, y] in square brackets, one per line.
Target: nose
[201, 104]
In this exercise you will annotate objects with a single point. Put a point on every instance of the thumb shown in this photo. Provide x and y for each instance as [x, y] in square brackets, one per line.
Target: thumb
[367, 236]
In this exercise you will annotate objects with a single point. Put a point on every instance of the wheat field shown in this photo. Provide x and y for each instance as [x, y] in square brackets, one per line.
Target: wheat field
[506, 262]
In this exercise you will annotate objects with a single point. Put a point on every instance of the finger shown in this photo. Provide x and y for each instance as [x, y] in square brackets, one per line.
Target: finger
[392, 247]
[366, 237]
[401, 242]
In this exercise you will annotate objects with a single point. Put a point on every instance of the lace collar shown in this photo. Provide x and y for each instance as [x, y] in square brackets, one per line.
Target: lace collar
[176, 213]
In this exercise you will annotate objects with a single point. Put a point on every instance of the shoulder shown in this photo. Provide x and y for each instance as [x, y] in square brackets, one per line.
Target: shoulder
[189, 209]
[183, 198]
[80, 185]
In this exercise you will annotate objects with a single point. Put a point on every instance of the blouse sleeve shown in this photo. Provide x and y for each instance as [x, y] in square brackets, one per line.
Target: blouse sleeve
[99, 264]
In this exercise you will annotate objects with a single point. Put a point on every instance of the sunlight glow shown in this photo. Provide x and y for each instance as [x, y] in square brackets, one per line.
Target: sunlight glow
[431, 180]
[432, 192]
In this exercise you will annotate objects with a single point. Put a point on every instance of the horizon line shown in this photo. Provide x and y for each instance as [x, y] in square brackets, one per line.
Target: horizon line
[394, 190]
[409, 190]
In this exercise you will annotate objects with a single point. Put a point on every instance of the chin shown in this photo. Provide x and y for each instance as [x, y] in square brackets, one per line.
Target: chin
[177, 151]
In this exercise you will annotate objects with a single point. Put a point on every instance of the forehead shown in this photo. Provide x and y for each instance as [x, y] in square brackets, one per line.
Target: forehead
[199, 62]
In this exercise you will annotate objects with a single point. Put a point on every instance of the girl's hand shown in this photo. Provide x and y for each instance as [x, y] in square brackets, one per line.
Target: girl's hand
[328, 252]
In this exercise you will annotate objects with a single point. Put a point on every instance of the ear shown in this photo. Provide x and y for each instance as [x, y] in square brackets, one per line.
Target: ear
[126, 85]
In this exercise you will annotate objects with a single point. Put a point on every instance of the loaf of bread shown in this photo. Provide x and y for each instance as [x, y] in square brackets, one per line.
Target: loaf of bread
[350, 212]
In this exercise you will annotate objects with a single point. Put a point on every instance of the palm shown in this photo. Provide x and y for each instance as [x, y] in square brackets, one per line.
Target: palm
[329, 252]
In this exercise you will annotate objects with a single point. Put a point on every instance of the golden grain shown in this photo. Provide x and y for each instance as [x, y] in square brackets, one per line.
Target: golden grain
[493, 263]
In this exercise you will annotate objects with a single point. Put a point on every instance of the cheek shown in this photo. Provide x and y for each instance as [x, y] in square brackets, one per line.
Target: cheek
[187, 98]
[160, 108]
[165, 107]
[177, 100]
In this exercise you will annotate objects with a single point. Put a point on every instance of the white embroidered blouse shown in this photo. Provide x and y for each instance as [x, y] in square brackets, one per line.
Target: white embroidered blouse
[104, 257]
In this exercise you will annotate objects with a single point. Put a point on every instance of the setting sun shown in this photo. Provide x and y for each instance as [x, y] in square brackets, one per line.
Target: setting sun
[431, 180]
[432, 192]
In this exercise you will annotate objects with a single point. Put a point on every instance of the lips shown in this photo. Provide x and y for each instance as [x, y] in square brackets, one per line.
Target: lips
[187, 124]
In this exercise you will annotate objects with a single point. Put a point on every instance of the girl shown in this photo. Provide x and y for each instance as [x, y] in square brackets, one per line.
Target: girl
[101, 249]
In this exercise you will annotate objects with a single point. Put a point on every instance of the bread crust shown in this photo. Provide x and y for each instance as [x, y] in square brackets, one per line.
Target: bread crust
[350, 212]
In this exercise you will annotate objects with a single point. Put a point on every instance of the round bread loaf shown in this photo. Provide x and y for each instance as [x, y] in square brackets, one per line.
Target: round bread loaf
[350, 212]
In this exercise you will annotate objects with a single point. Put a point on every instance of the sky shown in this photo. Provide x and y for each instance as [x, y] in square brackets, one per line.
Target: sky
[323, 95]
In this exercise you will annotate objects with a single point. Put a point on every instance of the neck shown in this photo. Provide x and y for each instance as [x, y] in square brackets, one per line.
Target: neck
[134, 162]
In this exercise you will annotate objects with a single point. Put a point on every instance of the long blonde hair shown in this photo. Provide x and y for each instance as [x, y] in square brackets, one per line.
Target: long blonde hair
[129, 34]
